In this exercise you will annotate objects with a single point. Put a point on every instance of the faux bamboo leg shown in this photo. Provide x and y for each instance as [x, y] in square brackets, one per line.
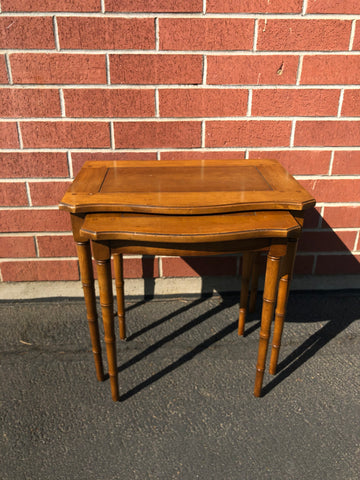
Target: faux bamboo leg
[87, 279]
[283, 294]
[254, 282]
[107, 309]
[271, 282]
[245, 280]
[119, 282]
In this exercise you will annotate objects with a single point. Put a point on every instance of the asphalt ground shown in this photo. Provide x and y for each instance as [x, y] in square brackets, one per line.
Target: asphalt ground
[187, 410]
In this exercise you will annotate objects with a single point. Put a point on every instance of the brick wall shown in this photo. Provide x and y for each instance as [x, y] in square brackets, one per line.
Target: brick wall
[160, 79]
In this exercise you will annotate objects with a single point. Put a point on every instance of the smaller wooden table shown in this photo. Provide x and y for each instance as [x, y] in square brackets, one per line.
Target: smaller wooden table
[186, 208]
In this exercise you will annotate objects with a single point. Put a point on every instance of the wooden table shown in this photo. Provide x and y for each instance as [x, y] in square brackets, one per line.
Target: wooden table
[192, 207]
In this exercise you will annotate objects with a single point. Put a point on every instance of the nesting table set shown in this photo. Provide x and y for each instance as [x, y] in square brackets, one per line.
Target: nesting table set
[186, 208]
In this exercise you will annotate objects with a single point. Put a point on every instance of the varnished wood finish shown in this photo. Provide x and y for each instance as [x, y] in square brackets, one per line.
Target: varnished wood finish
[193, 229]
[102, 258]
[185, 208]
[186, 187]
[271, 283]
[247, 261]
[87, 279]
[283, 293]
[119, 283]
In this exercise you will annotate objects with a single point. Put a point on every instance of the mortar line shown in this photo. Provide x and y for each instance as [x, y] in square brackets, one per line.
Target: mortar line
[304, 7]
[56, 34]
[70, 165]
[21, 145]
[299, 70]
[249, 106]
[107, 66]
[341, 99]
[157, 104]
[62, 102]
[8, 68]
[27, 186]
[352, 35]
[331, 162]
[112, 136]
[157, 34]
[255, 37]
[204, 75]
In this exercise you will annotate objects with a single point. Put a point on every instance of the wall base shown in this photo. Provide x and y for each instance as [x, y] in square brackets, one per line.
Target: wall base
[170, 286]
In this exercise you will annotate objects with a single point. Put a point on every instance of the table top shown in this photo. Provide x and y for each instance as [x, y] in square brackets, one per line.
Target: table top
[184, 187]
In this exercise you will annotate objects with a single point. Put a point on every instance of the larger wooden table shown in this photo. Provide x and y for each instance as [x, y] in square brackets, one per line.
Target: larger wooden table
[192, 207]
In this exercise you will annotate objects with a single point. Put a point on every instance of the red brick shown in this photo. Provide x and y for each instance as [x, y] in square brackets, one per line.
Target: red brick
[154, 6]
[156, 69]
[47, 193]
[341, 217]
[199, 266]
[346, 163]
[145, 267]
[206, 34]
[109, 103]
[351, 106]
[332, 190]
[3, 72]
[34, 221]
[327, 133]
[254, 6]
[13, 194]
[65, 134]
[19, 102]
[16, 247]
[106, 33]
[157, 134]
[208, 155]
[330, 69]
[295, 102]
[252, 70]
[26, 32]
[33, 164]
[56, 246]
[53, 68]
[202, 103]
[333, 6]
[327, 241]
[337, 264]
[303, 35]
[79, 158]
[247, 133]
[35, 270]
[304, 264]
[356, 43]
[298, 162]
[8, 135]
[51, 5]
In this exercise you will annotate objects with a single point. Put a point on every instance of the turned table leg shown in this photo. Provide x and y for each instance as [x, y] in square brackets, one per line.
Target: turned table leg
[283, 294]
[247, 261]
[119, 282]
[270, 288]
[102, 258]
[87, 279]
